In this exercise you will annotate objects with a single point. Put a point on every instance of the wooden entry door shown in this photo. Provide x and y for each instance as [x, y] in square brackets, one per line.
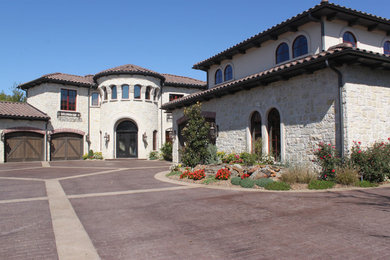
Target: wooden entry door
[23, 146]
[66, 146]
[126, 144]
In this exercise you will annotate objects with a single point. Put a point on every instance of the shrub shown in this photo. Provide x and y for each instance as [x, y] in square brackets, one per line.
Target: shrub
[245, 176]
[235, 180]
[210, 179]
[320, 185]
[90, 154]
[298, 174]
[373, 162]
[365, 184]
[196, 175]
[247, 183]
[232, 158]
[263, 182]
[223, 174]
[248, 158]
[347, 175]
[166, 151]
[153, 155]
[277, 185]
[212, 157]
[196, 137]
[184, 174]
[328, 159]
[98, 156]
[172, 173]
[258, 148]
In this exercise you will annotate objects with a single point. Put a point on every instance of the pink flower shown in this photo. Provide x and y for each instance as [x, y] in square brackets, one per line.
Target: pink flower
[333, 170]
[359, 151]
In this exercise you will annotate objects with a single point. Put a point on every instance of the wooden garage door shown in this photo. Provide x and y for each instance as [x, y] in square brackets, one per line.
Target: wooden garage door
[23, 146]
[66, 146]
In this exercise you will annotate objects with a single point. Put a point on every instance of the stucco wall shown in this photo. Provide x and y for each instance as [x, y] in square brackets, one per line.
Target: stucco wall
[307, 109]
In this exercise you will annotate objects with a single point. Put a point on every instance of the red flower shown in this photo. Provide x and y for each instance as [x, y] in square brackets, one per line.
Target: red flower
[333, 170]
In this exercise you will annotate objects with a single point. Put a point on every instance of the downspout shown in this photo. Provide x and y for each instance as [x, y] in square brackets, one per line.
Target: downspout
[341, 107]
[45, 146]
[89, 119]
[161, 114]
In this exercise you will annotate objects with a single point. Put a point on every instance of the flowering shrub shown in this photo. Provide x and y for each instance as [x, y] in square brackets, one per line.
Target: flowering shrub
[373, 162]
[196, 175]
[232, 158]
[328, 159]
[244, 176]
[185, 174]
[223, 174]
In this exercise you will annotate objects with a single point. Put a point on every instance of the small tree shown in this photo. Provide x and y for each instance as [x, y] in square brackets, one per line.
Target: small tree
[196, 137]
[18, 95]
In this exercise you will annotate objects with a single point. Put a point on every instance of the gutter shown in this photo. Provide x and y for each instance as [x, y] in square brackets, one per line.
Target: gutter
[341, 107]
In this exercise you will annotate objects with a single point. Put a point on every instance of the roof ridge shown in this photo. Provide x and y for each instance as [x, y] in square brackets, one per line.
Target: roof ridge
[181, 76]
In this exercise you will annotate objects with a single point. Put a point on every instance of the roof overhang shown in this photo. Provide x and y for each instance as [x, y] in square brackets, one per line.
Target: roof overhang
[50, 80]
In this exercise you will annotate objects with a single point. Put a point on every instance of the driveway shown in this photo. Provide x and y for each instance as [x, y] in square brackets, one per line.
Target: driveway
[118, 210]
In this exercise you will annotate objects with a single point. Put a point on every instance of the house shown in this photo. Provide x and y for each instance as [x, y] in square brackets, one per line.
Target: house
[116, 111]
[320, 76]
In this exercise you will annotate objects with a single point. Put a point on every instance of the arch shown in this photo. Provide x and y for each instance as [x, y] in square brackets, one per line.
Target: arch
[218, 76]
[147, 92]
[228, 72]
[137, 92]
[255, 129]
[282, 53]
[386, 48]
[125, 91]
[349, 37]
[114, 94]
[274, 133]
[300, 46]
[126, 139]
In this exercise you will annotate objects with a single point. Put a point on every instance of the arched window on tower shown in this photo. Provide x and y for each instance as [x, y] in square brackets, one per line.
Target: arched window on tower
[282, 53]
[386, 48]
[137, 92]
[147, 93]
[300, 46]
[348, 37]
[228, 73]
[125, 91]
[113, 92]
[218, 77]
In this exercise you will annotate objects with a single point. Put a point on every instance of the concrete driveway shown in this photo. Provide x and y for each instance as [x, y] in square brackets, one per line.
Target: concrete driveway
[118, 210]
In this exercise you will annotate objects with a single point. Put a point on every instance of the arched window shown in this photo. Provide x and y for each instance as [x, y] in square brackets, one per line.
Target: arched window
[147, 93]
[125, 91]
[137, 91]
[155, 94]
[282, 53]
[255, 130]
[300, 46]
[105, 95]
[274, 133]
[348, 37]
[218, 77]
[113, 92]
[154, 140]
[228, 73]
[386, 48]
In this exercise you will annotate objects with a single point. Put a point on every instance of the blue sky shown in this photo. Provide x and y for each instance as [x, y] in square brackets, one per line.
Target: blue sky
[84, 36]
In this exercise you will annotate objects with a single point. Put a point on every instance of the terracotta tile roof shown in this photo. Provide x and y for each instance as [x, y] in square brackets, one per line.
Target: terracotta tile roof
[63, 78]
[128, 69]
[175, 80]
[281, 72]
[323, 9]
[18, 110]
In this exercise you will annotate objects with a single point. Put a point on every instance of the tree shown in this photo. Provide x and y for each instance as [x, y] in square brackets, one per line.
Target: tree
[17, 95]
[196, 137]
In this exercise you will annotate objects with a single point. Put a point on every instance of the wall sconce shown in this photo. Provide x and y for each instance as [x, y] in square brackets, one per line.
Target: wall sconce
[144, 137]
[106, 137]
[172, 135]
[213, 131]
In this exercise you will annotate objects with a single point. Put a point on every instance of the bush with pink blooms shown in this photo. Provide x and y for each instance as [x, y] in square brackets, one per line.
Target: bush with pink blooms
[327, 157]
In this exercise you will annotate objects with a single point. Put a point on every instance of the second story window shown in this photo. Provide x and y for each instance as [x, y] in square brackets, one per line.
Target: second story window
[386, 48]
[155, 94]
[282, 53]
[95, 99]
[137, 91]
[68, 99]
[348, 37]
[228, 73]
[113, 92]
[147, 93]
[105, 95]
[125, 91]
[300, 46]
[174, 96]
[218, 77]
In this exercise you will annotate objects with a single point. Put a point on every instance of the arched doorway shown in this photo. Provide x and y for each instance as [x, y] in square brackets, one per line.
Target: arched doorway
[126, 140]
[255, 129]
[274, 133]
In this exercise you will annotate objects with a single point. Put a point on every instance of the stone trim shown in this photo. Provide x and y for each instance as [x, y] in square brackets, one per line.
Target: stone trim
[67, 130]
[24, 129]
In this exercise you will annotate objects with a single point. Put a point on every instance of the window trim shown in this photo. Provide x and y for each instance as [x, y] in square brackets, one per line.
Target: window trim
[75, 100]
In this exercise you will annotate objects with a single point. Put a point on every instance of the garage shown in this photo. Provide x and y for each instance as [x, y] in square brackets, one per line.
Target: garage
[66, 146]
[24, 146]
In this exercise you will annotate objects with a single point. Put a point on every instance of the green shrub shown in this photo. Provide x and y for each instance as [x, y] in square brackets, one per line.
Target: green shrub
[248, 158]
[321, 185]
[235, 180]
[172, 173]
[212, 157]
[327, 157]
[85, 156]
[263, 182]
[247, 183]
[277, 185]
[98, 156]
[210, 179]
[365, 184]
[153, 155]
[258, 148]
[373, 162]
[166, 151]
[347, 175]
[90, 154]
[298, 174]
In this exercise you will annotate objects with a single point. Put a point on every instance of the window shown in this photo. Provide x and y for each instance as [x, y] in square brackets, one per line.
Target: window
[113, 92]
[228, 73]
[174, 96]
[282, 53]
[155, 94]
[125, 91]
[300, 46]
[255, 130]
[274, 133]
[147, 93]
[95, 99]
[386, 48]
[68, 99]
[218, 76]
[104, 93]
[137, 91]
[348, 37]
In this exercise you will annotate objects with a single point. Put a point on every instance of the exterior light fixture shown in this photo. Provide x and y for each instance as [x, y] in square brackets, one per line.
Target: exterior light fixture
[213, 131]
[106, 137]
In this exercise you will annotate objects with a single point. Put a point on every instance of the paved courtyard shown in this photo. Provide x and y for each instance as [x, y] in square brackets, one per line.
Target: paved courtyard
[118, 210]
